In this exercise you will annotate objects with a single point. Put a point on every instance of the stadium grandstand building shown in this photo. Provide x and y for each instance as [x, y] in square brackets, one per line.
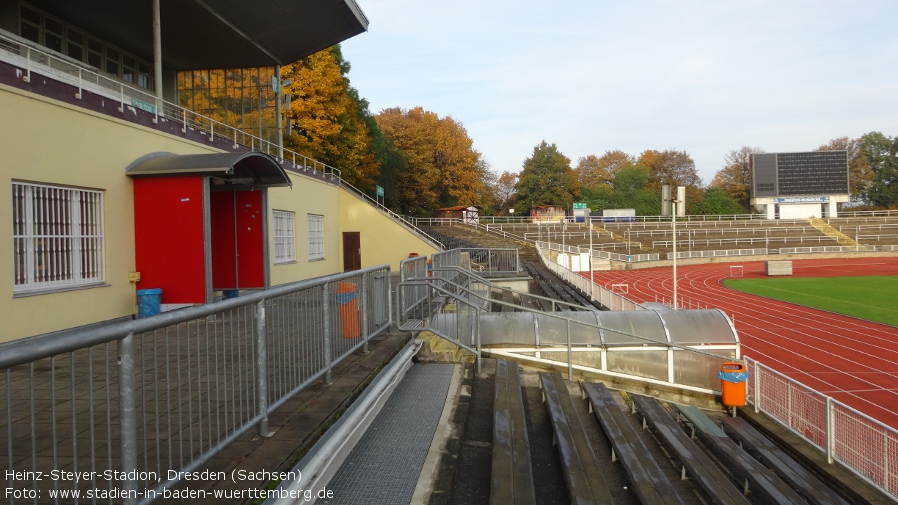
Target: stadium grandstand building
[799, 185]
[116, 187]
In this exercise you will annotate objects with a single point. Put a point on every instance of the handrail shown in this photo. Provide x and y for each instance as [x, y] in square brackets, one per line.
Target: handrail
[84, 77]
[247, 355]
[390, 213]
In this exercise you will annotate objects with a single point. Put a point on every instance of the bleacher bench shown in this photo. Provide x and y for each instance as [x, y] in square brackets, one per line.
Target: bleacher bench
[645, 475]
[799, 477]
[512, 471]
[758, 479]
[696, 463]
[582, 475]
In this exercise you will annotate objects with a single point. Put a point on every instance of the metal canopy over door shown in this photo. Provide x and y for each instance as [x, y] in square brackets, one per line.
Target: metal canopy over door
[201, 223]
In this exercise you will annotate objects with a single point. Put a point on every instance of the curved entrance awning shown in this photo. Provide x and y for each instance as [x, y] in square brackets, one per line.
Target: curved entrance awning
[227, 170]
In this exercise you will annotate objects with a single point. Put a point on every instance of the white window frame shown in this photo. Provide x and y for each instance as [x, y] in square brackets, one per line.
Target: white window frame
[58, 238]
[316, 237]
[284, 236]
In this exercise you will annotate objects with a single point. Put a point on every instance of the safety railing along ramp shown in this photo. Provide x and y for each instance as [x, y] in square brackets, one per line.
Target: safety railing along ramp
[386, 462]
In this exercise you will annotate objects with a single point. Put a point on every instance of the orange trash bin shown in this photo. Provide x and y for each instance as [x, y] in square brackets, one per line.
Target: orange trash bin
[733, 375]
[347, 298]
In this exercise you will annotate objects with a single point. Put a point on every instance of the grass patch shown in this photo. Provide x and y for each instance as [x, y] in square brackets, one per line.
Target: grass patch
[871, 298]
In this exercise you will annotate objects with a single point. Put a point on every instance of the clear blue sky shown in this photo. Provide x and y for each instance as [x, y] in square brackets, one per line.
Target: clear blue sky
[704, 77]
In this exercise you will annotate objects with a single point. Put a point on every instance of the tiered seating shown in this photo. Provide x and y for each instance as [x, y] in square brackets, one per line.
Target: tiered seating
[791, 471]
[759, 479]
[696, 464]
[512, 472]
[648, 480]
[582, 474]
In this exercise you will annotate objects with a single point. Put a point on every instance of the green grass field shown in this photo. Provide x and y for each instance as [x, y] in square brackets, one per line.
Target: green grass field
[871, 298]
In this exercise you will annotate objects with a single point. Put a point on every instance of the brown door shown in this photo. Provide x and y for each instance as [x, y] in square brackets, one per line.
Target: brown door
[352, 251]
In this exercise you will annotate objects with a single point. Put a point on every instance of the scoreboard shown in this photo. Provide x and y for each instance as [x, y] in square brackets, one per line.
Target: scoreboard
[799, 174]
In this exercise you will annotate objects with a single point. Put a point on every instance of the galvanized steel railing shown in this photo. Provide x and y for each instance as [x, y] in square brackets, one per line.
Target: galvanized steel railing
[31, 59]
[866, 446]
[149, 399]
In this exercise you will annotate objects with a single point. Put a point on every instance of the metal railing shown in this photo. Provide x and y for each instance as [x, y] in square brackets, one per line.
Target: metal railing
[34, 59]
[866, 446]
[489, 260]
[151, 400]
[413, 224]
[605, 297]
[569, 339]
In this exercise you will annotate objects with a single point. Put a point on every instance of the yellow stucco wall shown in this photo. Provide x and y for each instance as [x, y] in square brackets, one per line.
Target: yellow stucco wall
[44, 141]
[50, 142]
[307, 196]
[382, 240]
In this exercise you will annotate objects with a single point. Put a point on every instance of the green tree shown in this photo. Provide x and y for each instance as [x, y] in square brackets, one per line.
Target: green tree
[716, 201]
[631, 191]
[547, 178]
[881, 153]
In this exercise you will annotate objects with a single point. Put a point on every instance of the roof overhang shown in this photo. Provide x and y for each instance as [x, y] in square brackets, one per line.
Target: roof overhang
[205, 34]
[226, 170]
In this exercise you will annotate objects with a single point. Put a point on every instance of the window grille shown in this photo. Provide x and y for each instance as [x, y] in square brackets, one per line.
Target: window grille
[284, 237]
[58, 237]
[316, 237]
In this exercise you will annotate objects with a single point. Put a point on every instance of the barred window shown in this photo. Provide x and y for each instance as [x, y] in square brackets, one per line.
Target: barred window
[284, 237]
[57, 237]
[316, 237]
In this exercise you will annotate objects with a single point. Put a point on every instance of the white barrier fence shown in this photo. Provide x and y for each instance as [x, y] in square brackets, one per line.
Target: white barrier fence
[864, 445]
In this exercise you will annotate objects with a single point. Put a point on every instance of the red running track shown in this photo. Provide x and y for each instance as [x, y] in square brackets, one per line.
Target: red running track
[852, 360]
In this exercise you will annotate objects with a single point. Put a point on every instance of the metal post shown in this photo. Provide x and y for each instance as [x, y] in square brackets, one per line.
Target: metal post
[277, 107]
[261, 368]
[128, 416]
[673, 224]
[477, 336]
[831, 431]
[157, 50]
[570, 353]
[326, 305]
[363, 305]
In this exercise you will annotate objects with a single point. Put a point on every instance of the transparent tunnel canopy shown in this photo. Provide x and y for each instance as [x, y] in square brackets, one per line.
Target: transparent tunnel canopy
[612, 328]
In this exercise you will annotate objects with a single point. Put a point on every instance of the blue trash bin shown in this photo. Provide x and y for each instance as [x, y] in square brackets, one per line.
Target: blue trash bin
[148, 301]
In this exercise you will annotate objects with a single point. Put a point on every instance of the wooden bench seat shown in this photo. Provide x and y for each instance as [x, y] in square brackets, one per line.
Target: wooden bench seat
[799, 477]
[645, 475]
[582, 474]
[512, 471]
[697, 464]
[758, 479]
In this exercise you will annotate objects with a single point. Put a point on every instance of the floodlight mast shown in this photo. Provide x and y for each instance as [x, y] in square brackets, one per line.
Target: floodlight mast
[671, 204]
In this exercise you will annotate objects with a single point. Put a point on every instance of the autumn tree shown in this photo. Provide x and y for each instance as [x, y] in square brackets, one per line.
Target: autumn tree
[504, 192]
[881, 153]
[859, 174]
[328, 117]
[675, 168]
[595, 172]
[441, 166]
[547, 178]
[734, 179]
